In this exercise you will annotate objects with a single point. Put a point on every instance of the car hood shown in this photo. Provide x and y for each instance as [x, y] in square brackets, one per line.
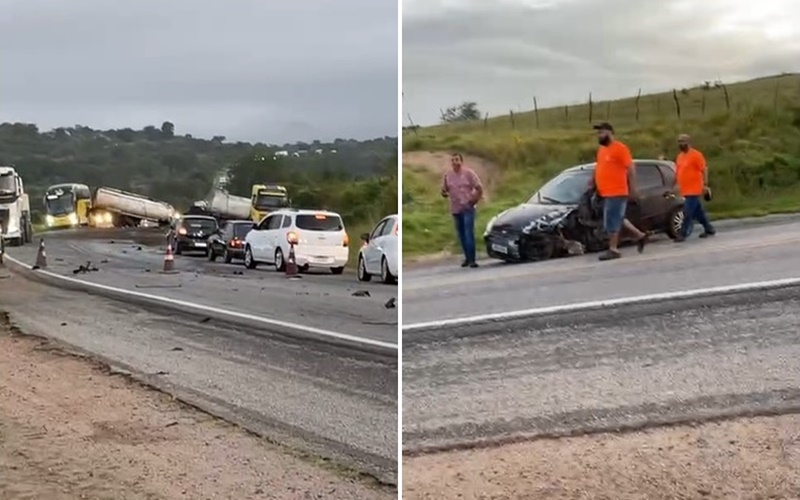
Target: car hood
[533, 217]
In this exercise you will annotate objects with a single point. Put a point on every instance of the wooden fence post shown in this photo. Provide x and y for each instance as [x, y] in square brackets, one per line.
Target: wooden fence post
[536, 111]
[591, 108]
[677, 103]
[638, 96]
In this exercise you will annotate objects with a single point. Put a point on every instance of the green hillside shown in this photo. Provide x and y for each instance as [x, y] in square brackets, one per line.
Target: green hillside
[749, 132]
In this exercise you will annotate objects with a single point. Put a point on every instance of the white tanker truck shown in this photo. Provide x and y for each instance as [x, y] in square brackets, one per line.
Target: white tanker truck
[116, 208]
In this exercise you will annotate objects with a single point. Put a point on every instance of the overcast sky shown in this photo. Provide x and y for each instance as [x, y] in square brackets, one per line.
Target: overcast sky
[257, 70]
[501, 53]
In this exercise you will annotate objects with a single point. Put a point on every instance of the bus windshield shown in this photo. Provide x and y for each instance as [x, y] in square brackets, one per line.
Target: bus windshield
[60, 204]
[270, 201]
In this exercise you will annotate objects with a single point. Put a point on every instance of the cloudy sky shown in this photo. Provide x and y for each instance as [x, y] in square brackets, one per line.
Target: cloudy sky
[501, 53]
[258, 70]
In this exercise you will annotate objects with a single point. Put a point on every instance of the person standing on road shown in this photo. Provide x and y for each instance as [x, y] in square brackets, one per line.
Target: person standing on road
[691, 177]
[464, 189]
[615, 181]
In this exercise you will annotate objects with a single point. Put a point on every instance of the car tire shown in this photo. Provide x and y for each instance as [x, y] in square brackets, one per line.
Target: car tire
[337, 270]
[362, 273]
[249, 261]
[227, 257]
[178, 249]
[212, 255]
[386, 275]
[674, 222]
[280, 262]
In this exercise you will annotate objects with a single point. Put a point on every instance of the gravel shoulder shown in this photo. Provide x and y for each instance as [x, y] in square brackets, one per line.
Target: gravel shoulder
[743, 459]
[71, 429]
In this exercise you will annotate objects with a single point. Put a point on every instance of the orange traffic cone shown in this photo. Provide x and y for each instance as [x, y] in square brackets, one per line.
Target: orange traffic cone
[291, 264]
[41, 257]
[169, 260]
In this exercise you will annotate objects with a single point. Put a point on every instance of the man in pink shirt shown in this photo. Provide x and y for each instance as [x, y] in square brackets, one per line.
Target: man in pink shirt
[464, 189]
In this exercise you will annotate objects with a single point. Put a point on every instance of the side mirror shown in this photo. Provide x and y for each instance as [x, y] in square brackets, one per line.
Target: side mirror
[365, 237]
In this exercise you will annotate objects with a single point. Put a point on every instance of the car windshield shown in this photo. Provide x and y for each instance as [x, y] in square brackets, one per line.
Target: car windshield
[566, 188]
[60, 205]
[271, 201]
[197, 225]
[241, 230]
[319, 222]
[7, 184]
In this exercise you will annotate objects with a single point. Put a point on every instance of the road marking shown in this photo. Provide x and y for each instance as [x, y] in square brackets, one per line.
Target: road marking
[568, 265]
[598, 304]
[211, 309]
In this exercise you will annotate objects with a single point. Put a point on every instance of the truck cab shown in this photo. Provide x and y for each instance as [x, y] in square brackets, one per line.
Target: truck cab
[267, 198]
[15, 209]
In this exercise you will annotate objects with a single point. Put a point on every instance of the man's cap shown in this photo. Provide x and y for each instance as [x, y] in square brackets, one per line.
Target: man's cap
[604, 126]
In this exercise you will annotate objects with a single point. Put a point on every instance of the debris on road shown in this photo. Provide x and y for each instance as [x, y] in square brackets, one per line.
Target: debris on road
[159, 286]
[361, 293]
[83, 269]
[391, 303]
[205, 320]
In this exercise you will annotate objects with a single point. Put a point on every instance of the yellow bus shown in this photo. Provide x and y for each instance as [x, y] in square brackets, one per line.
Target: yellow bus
[67, 205]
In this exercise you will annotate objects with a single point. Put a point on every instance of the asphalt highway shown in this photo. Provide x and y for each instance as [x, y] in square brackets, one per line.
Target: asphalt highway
[607, 370]
[734, 256]
[322, 398]
[134, 261]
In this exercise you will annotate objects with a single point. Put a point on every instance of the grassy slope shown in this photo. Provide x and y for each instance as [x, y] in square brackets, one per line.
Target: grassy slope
[753, 151]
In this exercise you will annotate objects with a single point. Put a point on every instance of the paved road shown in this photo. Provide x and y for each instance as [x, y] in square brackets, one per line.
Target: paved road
[609, 369]
[330, 401]
[317, 300]
[733, 256]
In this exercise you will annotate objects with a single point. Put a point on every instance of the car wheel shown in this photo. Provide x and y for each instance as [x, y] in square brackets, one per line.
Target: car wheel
[178, 249]
[212, 255]
[227, 256]
[337, 270]
[249, 261]
[536, 248]
[386, 275]
[675, 222]
[363, 275]
[280, 263]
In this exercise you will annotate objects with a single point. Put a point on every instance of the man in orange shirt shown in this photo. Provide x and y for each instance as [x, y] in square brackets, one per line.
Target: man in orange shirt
[691, 176]
[615, 181]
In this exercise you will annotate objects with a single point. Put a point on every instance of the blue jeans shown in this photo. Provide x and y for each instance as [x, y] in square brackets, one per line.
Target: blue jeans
[614, 213]
[465, 228]
[693, 211]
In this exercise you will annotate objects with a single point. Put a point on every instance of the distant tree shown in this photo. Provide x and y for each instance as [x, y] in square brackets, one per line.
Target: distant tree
[151, 133]
[466, 111]
[168, 130]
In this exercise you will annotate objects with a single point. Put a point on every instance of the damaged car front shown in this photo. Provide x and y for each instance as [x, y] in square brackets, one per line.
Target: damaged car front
[559, 219]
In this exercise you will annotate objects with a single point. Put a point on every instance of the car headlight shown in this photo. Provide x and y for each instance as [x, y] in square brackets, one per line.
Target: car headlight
[489, 225]
[49, 220]
[73, 218]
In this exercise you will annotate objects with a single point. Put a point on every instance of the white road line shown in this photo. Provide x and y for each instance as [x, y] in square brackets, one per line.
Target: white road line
[598, 304]
[211, 309]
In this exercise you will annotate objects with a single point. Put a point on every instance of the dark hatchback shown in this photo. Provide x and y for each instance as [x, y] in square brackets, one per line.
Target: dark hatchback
[565, 217]
[228, 243]
[192, 233]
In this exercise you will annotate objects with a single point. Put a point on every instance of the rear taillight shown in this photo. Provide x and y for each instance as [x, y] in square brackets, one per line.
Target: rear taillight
[291, 238]
[236, 242]
[346, 240]
[396, 227]
[182, 231]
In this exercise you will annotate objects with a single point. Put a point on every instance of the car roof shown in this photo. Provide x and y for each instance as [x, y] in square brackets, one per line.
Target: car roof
[206, 217]
[637, 161]
[305, 211]
[240, 222]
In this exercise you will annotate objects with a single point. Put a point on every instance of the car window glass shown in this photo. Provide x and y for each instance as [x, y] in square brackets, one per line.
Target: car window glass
[388, 228]
[287, 221]
[275, 223]
[648, 176]
[240, 230]
[669, 175]
[378, 230]
[266, 222]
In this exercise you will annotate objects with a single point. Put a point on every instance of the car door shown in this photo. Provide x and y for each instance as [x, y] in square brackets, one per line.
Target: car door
[373, 250]
[271, 241]
[258, 237]
[389, 243]
[653, 196]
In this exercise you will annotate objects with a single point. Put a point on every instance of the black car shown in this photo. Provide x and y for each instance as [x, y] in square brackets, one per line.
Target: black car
[228, 242]
[192, 233]
[565, 216]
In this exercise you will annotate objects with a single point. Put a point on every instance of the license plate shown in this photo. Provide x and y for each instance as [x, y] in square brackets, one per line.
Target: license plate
[499, 248]
[323, 260]
[201, 244]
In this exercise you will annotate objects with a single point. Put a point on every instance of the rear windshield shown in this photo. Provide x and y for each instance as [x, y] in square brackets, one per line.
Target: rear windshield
[241, 230]
[205, 225]
[319, 222]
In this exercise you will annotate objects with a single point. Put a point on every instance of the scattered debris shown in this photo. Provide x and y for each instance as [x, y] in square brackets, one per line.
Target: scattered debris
[160, 372]
[59, 259]
[205, 320]
[104, 261]
[64, 324]
[87, 268]
[239, 273]
[34, 268]
[111, 242]
[176, 349]
[139, 248]
[391, 303]
[171, 424]
[361, 293]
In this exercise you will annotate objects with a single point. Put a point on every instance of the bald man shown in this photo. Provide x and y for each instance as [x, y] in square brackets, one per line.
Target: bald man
[692, 179]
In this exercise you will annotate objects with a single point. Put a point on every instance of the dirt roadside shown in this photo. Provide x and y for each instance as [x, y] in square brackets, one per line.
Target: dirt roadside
[69, 429]
[755, 458]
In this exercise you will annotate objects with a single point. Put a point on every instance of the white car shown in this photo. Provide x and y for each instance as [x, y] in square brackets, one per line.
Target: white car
[378, 256]
[319, 237]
